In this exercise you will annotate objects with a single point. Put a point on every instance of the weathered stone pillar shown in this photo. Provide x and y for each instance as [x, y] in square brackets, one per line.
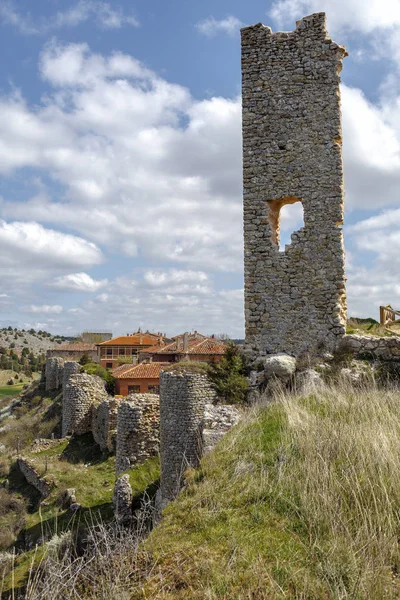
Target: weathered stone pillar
[70, 368]
[138, 430]
[54, 373]
[295, 299]
[104, 424]
[182, 400]
[82, 393]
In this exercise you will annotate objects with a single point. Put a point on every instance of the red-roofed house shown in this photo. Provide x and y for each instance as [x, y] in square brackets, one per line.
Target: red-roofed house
[138, 379]
[126, 347]
[189, 346]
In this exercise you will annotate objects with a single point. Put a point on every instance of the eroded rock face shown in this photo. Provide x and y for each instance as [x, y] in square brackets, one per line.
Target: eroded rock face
[295, 300]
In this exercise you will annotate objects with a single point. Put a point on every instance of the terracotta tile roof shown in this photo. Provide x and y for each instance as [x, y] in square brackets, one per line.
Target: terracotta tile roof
[78, 347]
[136, 339]
[203, 345]
[141, 371]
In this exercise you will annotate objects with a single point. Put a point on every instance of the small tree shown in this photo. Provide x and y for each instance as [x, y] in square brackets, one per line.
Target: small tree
[84, 359]
[228, 377]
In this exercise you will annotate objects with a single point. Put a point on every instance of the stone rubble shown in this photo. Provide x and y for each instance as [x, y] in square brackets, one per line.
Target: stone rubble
[122, 499]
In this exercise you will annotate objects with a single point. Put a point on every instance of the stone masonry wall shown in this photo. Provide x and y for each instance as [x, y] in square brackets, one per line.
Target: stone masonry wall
[374, 347]
[183, 397]
[104, 424]
[54, 372]
[138, 430]
[82, 393]
[71, 367]
[33, 477]
[292, 152]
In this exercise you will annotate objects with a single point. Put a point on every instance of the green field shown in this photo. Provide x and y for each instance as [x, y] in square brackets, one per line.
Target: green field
[11, 390]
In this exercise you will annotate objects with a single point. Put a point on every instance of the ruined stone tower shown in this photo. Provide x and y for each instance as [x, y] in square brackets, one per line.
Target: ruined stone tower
[295, 300]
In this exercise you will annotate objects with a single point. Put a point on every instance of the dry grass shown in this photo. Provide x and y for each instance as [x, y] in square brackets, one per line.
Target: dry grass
[101, 567]
[341, 457]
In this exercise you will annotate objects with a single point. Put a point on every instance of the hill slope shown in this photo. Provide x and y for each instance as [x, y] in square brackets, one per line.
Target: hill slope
[302, 501]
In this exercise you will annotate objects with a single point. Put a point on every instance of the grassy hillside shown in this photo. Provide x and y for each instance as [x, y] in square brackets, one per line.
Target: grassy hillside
[302, 501]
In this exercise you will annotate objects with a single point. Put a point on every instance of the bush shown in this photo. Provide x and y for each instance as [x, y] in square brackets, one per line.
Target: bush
[228, 377]
[84, 360]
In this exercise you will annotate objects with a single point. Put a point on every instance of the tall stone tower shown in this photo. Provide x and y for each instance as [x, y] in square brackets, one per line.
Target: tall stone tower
[295, 300]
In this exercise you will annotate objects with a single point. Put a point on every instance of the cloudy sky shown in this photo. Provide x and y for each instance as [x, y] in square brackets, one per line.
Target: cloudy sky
[120, 160]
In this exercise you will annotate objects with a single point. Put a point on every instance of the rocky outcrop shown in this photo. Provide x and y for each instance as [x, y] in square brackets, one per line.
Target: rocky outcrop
[281, 366]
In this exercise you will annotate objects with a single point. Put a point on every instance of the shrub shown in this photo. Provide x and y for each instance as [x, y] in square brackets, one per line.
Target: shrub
[84, 360]
[228, 377]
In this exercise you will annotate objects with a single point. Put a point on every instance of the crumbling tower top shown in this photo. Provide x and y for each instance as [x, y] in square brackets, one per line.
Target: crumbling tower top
[292, 152]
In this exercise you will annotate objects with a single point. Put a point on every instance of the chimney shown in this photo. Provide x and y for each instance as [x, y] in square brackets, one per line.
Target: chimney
[185, 342]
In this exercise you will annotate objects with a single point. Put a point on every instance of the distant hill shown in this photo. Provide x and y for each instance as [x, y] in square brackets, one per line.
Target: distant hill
[36, 341]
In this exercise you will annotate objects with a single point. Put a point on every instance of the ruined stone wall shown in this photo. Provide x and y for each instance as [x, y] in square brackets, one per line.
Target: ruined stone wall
[183, 397]
[54, 372]
[373, 347]
[33, 478]
[138, 430]
[70, 368]
[292, 152]
[82, 393]
[104, 424]
[217, 420]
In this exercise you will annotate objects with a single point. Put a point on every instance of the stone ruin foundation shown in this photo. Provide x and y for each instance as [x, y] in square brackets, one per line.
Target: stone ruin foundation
[189, 425]
[54, 373]
[104, 424]
[81, 395]
[295, 300]
[138, 430]
[71, 367]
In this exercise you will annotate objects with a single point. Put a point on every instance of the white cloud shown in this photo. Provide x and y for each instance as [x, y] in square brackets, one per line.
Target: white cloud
[161, 278]
[79, 282]
[353, 15]
[179, 304]
[31, 252]
[211, 27]
[103, 14]
[44, 308]
[146, 168]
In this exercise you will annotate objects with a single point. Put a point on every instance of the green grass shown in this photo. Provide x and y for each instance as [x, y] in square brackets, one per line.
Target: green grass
[77, 464]
[11, 390]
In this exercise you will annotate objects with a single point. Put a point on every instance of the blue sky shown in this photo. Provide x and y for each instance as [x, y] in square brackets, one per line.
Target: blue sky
[120, 160]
